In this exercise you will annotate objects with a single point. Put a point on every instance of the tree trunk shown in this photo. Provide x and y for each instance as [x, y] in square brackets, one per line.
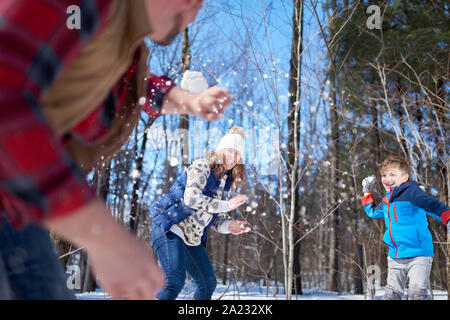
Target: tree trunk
[333, 258]
[333, 273]
[183, 127]
[376, 142]
[225, 261]
[441, 141]
[134, 211]
[294, 116]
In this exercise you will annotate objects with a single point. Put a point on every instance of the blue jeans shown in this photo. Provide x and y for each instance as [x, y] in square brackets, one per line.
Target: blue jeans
[29, 266]
[175, 258]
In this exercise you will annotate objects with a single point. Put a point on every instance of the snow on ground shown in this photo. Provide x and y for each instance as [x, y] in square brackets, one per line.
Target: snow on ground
[239, 292]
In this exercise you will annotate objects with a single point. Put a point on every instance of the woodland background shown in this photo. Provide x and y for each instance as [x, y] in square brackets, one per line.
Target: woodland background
[324, 97]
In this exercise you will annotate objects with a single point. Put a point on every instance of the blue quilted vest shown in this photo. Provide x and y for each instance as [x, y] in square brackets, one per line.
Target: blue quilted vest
[171, 208]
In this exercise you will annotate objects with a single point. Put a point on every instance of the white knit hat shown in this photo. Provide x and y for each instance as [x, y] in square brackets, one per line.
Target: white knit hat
[232, 141]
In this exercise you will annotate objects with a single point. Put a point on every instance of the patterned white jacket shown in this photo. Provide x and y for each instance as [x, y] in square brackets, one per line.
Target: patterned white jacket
[192, 228]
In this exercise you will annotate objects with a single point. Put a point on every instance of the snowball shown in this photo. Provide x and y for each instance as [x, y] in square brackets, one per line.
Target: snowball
[193, 81]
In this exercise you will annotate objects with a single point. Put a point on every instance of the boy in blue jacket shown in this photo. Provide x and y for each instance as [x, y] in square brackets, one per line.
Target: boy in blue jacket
[404, 209]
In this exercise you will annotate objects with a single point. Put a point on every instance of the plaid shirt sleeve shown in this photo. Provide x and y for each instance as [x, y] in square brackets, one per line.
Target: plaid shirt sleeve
[38, 179]
[158, 87]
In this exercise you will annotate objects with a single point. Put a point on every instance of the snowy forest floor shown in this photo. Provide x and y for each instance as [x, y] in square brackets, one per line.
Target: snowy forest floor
[235, 292]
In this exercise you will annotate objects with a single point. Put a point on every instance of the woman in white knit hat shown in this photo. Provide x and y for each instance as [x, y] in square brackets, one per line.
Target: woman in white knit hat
[198, 200]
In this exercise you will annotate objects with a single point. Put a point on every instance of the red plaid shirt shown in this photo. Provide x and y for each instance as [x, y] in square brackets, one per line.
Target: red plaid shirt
[38, 178]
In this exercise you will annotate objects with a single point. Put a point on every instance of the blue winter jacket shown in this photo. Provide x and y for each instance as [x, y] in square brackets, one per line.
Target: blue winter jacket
[171, 208]
[404, 210]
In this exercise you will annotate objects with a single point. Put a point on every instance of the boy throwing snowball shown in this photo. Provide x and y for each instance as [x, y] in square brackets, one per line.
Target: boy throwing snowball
[404, 209]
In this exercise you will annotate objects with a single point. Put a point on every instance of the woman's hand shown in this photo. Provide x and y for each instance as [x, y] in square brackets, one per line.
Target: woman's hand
[237, 201]
[238, 227]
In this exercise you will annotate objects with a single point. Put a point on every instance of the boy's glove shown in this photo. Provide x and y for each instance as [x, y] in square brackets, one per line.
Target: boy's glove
[194, 82]
[369, 184]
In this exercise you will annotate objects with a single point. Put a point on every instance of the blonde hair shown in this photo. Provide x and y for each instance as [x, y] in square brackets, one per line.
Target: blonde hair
[238, 172]
[394, 162]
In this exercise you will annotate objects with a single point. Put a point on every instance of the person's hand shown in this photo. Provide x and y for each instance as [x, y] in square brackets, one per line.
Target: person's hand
[369, 184]
[237, 201]
[124, 265]
[211, 104]
[238, 227]
[128, 270]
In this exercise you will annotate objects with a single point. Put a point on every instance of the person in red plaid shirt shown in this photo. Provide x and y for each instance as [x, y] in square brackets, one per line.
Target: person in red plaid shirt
[70, 98]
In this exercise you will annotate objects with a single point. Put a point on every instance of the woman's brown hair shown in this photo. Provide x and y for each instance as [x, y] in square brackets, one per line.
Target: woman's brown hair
[238, 172]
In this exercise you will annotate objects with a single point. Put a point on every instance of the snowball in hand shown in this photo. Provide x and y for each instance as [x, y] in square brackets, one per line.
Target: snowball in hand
[194, 82]
[369, 184]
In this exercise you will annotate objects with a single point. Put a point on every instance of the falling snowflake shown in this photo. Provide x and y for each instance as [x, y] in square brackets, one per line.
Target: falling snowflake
[173, 161]
[135, 174]
[142, 101]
